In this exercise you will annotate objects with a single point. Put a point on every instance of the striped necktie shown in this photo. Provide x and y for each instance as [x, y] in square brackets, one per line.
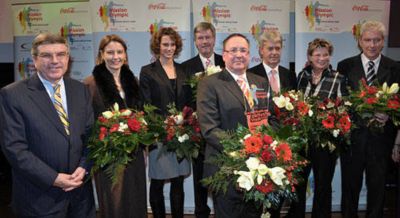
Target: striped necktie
[59, 108]
[273, 81]
[246, 92]
[371, 75]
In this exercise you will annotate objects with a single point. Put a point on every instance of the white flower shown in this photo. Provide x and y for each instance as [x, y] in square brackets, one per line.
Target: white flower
[126, 113]
[246, 136]
[199, 74]
[107, 114]
[274, 144]
[335, 133]
[143, 121]
[266, 215]
[183, 138]
[233, 154]
[245, 179]
[122, 127]
[277, 174]
[348, 103]
[280, 101]
[213, 69]
[252, 163]
[289, 106]
[330, 105]
[116, 106]
[178, 119]
[310, 113]
[393, 89]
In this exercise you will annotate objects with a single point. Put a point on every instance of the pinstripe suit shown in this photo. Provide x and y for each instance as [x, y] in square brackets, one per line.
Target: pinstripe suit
[35, 143]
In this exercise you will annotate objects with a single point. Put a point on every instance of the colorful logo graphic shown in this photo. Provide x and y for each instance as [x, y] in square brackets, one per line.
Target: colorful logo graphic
[257, 29]
[213, 12]
[314, 12]
[26, 68]
[70, 31]
[355, 30]
[27, 16]
[112, 12]
[156, 26]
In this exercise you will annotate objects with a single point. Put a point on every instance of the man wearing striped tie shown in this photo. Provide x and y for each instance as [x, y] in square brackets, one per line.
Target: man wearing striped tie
[45, 121]
[369, 151]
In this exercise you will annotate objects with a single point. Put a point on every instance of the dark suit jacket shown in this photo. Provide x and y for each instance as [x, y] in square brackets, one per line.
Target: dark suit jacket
[194, 65]
[36, 145]
[220, 107]
[156, 89]
[287, 78]
[389, 71]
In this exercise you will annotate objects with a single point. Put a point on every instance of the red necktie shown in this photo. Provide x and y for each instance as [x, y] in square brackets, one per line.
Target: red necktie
[274, 81]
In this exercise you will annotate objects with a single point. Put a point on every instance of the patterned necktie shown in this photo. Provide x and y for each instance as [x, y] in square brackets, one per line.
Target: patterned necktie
[371, 75]
[246, 92]
[208, 62]
[59, 107]
[273, 81]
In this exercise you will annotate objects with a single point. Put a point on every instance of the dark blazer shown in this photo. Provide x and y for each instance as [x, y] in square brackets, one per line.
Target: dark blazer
[287, 78]
[194, 65]
[157, 90]
[37, 146]
[220, 107]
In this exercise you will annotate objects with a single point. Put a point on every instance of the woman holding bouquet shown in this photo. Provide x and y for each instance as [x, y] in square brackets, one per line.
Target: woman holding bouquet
[163, 83]
[319, 80]
[113, 82]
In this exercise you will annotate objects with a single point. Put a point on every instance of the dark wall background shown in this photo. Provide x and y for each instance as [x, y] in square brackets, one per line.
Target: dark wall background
[394, 24]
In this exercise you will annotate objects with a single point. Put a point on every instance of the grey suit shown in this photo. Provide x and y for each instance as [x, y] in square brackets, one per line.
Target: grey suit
[35, 143]
[221, 106]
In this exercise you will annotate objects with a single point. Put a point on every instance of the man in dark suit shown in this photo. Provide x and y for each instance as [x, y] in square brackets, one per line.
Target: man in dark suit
[204, 39]
[270, 49]
[44, 145]
[221, 106]
[369, 151]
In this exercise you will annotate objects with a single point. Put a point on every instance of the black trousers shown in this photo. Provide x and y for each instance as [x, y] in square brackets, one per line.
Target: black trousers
[353, 166]
[200, 192]
[323, 163]
[176, 194]
[232, 205]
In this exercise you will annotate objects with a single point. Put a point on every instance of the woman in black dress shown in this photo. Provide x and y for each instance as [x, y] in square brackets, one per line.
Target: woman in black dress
[113, 82]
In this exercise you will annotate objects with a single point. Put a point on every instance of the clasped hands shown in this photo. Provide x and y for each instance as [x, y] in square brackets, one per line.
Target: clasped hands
[69, 182]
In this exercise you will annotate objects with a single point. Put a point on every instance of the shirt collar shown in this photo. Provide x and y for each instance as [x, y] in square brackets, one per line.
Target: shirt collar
[365, 60]
[204, 60]
[268, 69]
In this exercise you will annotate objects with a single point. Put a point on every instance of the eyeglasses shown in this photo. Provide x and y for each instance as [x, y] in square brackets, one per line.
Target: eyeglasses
[234, 51]
[49, 56]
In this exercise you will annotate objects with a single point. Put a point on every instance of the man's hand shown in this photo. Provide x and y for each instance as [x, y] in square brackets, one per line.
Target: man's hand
[381, 118]
[70, 182]
[396, 153]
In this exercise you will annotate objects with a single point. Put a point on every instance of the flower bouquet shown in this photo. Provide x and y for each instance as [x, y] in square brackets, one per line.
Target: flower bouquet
[369, 100]
[331, 123]
[182, 133]
[195, 79]
[263, 164]
[117, 135]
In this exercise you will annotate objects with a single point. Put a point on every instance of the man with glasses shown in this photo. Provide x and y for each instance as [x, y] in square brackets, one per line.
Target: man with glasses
[45, 121]
[224, 102]
[369, 151]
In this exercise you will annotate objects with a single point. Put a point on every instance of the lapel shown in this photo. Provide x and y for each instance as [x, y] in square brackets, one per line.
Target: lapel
[40, 97]
[73, 104]
[283, 78]
[383, 70]
[163, 78]
[234, 88]
[180, 79]
[198, 64]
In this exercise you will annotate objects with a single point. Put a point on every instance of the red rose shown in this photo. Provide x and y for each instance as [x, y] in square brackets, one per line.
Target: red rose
[114, 127]
[372, 90]
[266, 156]
[102, 119]
[362, 94]
[329, 122]
[134, 125]
[372, 100]
[265, 187]
[103, 133]
[267, 139]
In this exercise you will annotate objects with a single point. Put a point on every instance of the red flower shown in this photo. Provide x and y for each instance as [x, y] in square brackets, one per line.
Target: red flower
[253, 144]
[362, 94]
[345, 123]
[267, 139]
[266, 156]
[170, 133]
[283, 152]
[371, 90]
[114, 127]
[303, 108]
[102, 119]
[329, 122]
[371, 100]
[134, 124]
[103, 133]
[393, 104]
[187, 112]
[265, 187]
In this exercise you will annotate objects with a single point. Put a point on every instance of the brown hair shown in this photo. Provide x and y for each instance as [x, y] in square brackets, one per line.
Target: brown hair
[319, 43]
[203, 26]
[47, 39]
[105, 41]
[234, 35]
[156, 40]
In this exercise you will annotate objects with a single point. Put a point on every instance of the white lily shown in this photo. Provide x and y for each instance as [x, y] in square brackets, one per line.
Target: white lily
[277, 174]
[348, 103]
[245, 180]
[178, 119]
[393, 89]
[280, 101]
[107, 114]
[126, 113]
[183, 138]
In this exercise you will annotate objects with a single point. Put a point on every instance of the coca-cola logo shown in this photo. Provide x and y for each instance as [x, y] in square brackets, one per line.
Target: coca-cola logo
[360, 8]
[67, 10]
[158, 6]
[258, 8]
